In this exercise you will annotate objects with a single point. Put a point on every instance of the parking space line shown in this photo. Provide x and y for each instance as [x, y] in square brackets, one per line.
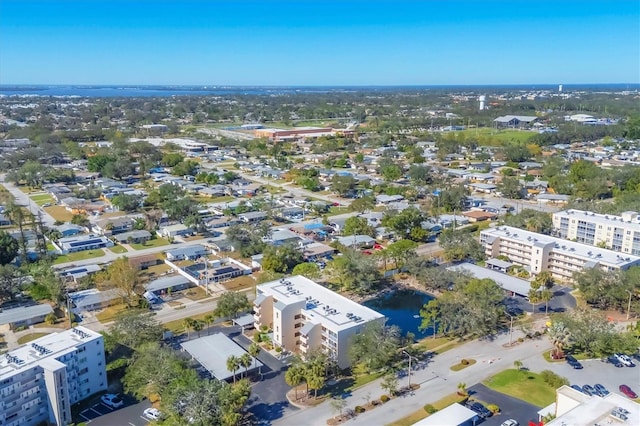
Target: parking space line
[87, 419]
[145, 419]
[96, 411]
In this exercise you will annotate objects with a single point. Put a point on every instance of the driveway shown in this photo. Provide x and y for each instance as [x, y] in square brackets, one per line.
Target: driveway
[510, 408]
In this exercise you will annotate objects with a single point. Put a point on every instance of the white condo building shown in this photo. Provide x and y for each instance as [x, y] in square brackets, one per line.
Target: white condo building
[538, 252]
[42, 379]
[619, 233]
[306, 316]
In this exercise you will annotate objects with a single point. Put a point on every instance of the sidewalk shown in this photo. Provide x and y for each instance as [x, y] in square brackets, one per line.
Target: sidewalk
[436, 381]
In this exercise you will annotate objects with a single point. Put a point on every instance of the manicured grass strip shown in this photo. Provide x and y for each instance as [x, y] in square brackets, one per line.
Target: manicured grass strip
[158, 242]
[177, 326]
[524, 385]
[461, 366]
[80, 255]
[30, 337]
[42, 199]
[118, 249]
[110, 313]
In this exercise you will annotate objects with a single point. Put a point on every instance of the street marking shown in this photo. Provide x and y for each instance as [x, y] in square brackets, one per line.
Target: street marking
[97, 412]
[87, 419]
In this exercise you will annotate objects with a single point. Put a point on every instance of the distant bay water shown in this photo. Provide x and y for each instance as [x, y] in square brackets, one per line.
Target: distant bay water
[166, 91]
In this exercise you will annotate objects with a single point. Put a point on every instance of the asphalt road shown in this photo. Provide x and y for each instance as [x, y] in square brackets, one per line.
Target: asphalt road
[130, 415]
[23, 199]
[510, 408]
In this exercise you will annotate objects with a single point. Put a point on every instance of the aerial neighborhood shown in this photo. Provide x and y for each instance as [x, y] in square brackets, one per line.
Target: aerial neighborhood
[400, 257]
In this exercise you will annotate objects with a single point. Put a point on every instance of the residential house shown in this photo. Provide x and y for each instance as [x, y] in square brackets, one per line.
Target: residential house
[135, 237]
[24, 316]
[82, 242]
[190, 253]
[94, 299]
[178, 230]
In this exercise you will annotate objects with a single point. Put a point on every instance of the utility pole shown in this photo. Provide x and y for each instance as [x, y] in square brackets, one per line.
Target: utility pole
[407, 354]
[510, 328]
[629, 305]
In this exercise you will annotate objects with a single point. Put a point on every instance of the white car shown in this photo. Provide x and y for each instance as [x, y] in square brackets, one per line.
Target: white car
[112, 400]
[510, 422]
[625, 360]
[152, 413]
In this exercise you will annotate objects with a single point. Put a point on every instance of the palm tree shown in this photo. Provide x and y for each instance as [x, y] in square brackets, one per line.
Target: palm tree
[462, 388]
[295, 376]
[208, 320]
[254, 351]
[197, 326]
[245, 361]
[517, 364]
[560, 337]
[188, 323]
[233, 364]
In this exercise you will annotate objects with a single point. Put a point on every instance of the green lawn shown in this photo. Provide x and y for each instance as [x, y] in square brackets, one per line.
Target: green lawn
[523, 385]
[489, 136]
[42, 199]
[158, 242]
[29, 337]
[80, 255]
[108, 314]
[118, 249]
[59, 213]
[177, 326]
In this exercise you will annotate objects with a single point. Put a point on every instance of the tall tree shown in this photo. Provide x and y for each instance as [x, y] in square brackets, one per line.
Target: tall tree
[231, 303]
[123, 276]
[375, 346]
[8, 248]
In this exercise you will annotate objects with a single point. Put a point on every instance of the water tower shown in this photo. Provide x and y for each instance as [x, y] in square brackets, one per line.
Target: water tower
[481, 98]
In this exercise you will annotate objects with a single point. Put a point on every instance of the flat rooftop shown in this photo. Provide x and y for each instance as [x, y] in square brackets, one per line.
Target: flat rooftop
[51, 345]
[23, 313]
[322, 305]
[507, 282]
[212, 353]
[598, 411]
[569, 248]
[603, 219]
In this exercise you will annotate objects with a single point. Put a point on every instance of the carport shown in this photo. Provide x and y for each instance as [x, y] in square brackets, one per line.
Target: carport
[507, 282]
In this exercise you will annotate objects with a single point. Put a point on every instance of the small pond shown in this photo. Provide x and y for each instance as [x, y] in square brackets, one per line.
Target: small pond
[402, 308]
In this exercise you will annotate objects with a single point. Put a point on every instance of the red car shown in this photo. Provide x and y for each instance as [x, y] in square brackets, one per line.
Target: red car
[627, 391]
[377, 246]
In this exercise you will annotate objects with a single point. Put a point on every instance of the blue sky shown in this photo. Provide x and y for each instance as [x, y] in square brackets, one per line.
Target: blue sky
[329, 42]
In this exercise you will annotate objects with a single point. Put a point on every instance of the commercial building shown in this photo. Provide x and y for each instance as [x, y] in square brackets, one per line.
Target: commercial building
[537, 253]
[619, 233]
[39, 382]
[306, 316]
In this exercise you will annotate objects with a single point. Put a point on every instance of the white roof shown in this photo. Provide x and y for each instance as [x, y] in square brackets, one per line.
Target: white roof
[596, 410]
[23, 313]
[454, 415]
[507, 282]
[56, 345]
[601, 219]
[568, 248]
[212, 353]
[322, 305]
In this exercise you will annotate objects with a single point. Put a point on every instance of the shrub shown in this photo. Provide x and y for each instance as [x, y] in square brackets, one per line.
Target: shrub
[430, 409]
[384, 398]
[359, 409]
[50, 319]
[376, 402]
[278, 349]
[552, 379]
[256, 337]
[464, 362]
[263, 328]
[493, 408]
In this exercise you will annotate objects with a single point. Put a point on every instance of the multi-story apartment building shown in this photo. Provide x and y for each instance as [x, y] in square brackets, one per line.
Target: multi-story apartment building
[306, 316]
[539, 252]
[41, 380]
[619, 233]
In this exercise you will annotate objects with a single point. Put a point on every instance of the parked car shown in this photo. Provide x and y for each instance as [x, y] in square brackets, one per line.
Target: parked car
[601, 390]
[152, 413]
[627, 391]
[480, 409]
[573, 362]
[112, 400]
[510, 422]
[576, 387]
[615, 362]
[625, 360]
[589, 390]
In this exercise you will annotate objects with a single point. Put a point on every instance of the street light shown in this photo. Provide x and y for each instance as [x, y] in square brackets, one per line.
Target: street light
[410, 357]
[510, 328]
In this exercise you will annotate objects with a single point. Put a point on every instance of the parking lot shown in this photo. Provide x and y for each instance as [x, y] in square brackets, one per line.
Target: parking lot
[128, 415]
[510, 408]
[596, 371]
